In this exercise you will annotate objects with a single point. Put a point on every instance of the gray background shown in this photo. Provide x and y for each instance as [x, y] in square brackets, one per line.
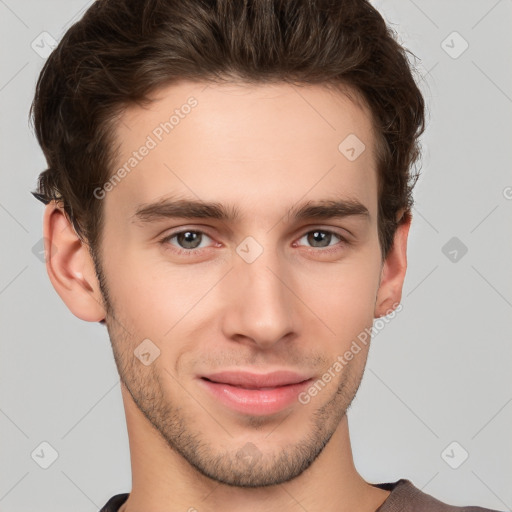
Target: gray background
[438, 373]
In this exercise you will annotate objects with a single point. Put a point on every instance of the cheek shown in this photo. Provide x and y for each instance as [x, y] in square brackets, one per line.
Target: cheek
[151, 295]
[344, 293]
[346, 312]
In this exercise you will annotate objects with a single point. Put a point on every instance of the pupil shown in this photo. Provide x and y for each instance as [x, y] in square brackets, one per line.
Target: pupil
[320, 236]
[189, 239]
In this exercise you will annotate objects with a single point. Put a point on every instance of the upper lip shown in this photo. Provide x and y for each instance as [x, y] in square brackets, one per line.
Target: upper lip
[257, 380]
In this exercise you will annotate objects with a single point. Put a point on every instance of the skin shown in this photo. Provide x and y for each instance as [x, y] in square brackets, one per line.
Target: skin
[263, 149]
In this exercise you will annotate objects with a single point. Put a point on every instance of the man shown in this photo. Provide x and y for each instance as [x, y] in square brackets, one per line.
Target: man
[229, 190]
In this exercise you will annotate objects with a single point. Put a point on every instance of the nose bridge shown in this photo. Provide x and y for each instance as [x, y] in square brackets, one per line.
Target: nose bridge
[260, 304]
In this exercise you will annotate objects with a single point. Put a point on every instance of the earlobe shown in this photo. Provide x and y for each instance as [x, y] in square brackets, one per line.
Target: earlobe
[70, 266]
[393, 271]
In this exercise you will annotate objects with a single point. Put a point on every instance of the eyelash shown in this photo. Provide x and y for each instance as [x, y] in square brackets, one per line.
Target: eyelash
[194, 252]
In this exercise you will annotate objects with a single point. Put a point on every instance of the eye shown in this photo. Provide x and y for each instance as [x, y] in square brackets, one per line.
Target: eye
[187, 240]
[191, 241]
[319, 238]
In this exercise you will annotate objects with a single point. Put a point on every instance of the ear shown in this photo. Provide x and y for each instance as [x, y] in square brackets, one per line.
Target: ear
[70, 266]
[393, 269]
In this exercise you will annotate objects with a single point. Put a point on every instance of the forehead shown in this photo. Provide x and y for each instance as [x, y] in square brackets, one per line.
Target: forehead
[241, 143]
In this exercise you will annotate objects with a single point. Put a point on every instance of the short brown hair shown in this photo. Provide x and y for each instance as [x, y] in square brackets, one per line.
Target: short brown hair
[123, 50]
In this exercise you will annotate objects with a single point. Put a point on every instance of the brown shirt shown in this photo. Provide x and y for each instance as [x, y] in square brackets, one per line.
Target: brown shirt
[404, 497]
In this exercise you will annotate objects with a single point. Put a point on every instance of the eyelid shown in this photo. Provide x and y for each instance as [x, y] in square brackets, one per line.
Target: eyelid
[337, 230]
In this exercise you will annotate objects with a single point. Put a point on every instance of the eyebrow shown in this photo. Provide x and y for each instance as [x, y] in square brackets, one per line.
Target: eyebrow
[169, 208]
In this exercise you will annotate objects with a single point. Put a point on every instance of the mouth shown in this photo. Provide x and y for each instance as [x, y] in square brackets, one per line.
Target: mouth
[257, 394]
[243, 386]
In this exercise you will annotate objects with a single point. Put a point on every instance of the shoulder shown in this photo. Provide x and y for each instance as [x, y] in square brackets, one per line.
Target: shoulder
[115, 502]
[405, 496]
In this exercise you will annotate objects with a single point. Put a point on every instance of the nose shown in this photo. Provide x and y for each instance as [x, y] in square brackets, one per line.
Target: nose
[259, 307]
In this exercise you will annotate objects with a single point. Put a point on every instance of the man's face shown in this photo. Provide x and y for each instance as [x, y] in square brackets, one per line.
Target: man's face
[259, 293]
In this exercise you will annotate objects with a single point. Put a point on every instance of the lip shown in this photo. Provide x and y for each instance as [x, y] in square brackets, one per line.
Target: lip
[253, 393]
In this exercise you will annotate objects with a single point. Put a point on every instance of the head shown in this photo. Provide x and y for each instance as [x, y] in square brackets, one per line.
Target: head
[251, 111]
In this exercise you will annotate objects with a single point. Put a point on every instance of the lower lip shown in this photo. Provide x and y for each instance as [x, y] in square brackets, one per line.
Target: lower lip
[255, 401]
